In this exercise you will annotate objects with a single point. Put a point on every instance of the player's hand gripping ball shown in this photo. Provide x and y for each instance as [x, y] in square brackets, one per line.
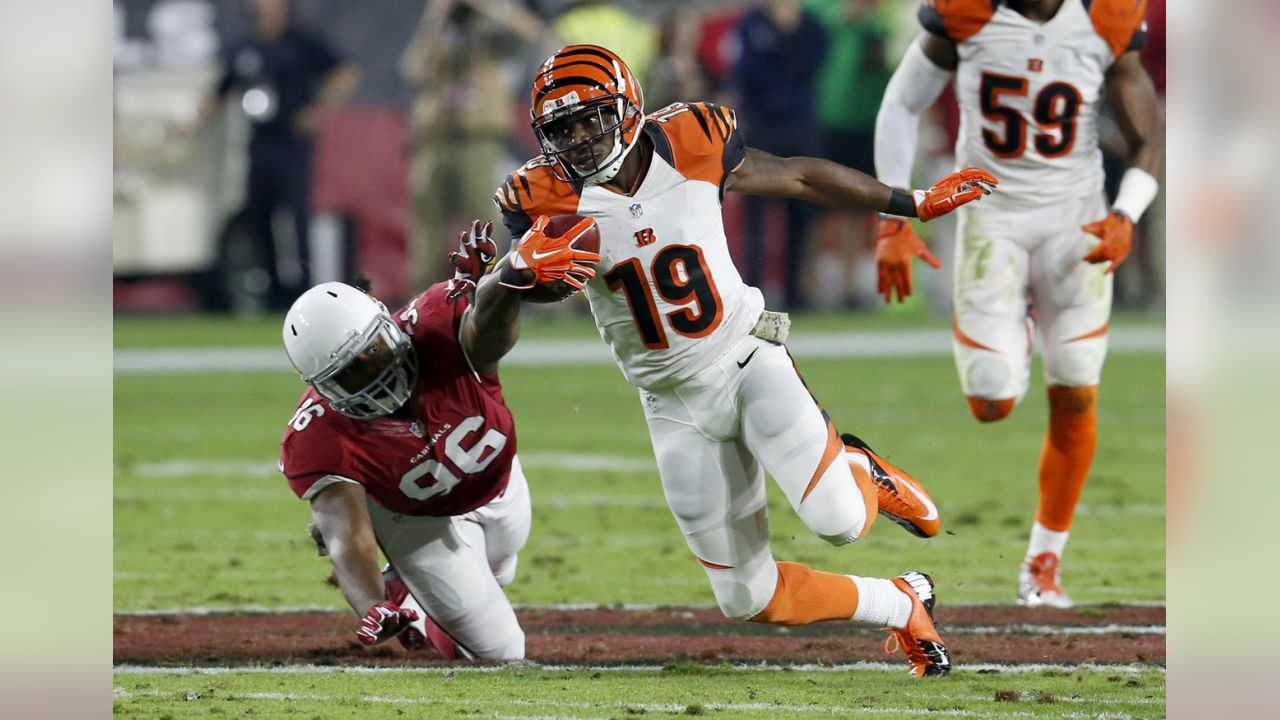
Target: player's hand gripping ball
[555, 259]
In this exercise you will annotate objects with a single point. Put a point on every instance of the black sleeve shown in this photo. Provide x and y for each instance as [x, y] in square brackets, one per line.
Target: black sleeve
[516, 221]
[514, 218]
[734, 151]
[1139, 39]
[931, 19]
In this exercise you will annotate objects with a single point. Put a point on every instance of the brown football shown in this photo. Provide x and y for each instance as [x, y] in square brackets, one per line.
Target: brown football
[560, 290]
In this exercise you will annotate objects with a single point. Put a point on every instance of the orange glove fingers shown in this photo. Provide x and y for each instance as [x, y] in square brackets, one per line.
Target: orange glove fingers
[581, 227]
[585, 257]
[958, 188]
[976, 174]
[578, 275]
[1116, 234]
[924, 254]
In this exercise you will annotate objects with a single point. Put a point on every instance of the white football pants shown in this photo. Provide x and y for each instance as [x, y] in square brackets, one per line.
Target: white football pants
[1005, 258]
[456, 567]
[715, 435]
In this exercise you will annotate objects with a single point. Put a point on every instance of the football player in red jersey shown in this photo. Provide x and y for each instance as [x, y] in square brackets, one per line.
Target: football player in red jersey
[403, 442]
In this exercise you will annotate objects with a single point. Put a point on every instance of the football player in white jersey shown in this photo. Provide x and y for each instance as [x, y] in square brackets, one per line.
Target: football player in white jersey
[1029, 76]
[722, 398]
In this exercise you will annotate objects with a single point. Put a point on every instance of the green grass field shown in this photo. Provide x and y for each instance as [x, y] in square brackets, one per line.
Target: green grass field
[680, 690]
[203, 520]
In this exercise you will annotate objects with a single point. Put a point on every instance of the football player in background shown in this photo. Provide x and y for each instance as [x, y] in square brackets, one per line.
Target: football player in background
[722, 398]
[1030, 75]
[403, 442]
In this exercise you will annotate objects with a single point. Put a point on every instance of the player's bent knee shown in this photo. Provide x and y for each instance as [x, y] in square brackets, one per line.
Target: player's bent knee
[988, 374]
[990, 410]
[835, 525]
[841, 539]
[738, 597]
[1076, 367]
[736, 608]
[512, 649]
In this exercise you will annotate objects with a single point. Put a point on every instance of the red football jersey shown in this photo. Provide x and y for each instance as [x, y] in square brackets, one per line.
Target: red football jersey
[451, 455]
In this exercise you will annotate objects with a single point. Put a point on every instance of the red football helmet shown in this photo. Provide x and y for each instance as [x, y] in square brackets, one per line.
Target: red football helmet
[587, 111]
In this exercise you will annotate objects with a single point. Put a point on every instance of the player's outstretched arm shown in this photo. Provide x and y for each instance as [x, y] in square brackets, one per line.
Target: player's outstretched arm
[833, 185]
[343, 521]
[1132, 97]
[492, 325]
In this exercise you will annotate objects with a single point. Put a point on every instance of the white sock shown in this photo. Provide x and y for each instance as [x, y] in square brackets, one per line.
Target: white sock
[1045, 540]
[881, 603]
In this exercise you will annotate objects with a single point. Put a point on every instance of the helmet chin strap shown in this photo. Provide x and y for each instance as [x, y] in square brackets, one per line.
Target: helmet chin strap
[611, 170]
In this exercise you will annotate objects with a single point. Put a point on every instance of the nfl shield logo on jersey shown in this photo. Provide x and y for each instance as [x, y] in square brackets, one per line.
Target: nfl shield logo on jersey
[636, 210]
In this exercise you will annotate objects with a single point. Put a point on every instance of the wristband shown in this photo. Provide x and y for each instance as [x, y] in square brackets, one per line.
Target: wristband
[901, 203]
[1137, 189]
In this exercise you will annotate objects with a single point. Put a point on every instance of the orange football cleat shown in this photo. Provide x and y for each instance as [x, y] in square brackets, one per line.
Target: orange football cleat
[919, 639]
[1039, 582]
[901, 498]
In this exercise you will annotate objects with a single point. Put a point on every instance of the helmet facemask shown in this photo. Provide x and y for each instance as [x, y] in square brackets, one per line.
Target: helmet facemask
[378, 363]
[572, 136]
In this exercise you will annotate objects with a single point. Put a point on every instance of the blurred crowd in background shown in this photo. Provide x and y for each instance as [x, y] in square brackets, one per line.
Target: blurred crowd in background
[264, 145]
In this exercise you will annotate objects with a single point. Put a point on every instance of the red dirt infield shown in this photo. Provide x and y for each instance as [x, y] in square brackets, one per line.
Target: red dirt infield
[600, 636]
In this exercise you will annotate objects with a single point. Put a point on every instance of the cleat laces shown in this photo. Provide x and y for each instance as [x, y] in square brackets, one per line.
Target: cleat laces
[916, 655]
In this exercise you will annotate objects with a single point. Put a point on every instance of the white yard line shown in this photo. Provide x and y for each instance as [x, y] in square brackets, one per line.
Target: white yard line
[533, 352]
[247, 468]
[1034, 629]
[1018, 628]
[132, 669]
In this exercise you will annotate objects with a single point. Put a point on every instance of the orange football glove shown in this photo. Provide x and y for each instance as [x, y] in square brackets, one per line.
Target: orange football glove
[896, 245]
[1116, 231]
[538, 259]
[952, 191]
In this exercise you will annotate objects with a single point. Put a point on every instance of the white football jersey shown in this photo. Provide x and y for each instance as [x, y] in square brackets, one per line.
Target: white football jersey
[667, 296]
[1029, 92]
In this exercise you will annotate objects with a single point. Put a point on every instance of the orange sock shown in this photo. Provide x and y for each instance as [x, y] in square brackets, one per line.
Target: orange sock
[804, 595]
[1067, 453]
[990, 410]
